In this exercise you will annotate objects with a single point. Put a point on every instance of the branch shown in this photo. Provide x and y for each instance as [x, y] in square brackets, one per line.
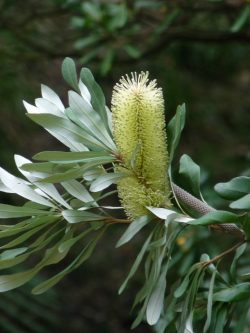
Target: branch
[202, 208]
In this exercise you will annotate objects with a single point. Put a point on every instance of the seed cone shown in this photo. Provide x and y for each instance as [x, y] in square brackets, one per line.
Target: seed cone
[139, 133]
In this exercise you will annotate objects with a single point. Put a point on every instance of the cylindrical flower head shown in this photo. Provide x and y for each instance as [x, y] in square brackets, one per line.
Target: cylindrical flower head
[139, 133]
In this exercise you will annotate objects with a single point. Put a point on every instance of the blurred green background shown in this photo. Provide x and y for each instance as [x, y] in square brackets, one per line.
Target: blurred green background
[199, 53]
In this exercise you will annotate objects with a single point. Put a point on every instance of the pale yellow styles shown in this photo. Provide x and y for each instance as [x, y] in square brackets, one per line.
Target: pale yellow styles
[139, 133]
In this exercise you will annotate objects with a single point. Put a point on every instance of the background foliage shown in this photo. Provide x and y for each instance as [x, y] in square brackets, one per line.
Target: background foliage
[199, 53]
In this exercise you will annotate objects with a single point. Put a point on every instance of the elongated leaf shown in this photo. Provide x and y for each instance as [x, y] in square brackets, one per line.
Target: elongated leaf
[185, 283]
[48, 189]
[76, 216]
[64, 176]
[135, 264]
[104, 181]
[73, 157]
[216, 217]
[71, 173]
[66, 246]
[13, 253]
[7, 263]
[240, 250]
[191, 174]
[156, 301]
[175, 128]
[242, 19]
[26, 235]
[163, 213]
[210, 302]
[221, 320]
[66, 129]
[97, 96]
[51, 96]
[78, 190]
[38, 169]
[83, 114]
[236, 293]
[83, 256]
[12, 281]
[69, 73]
[28, 224]
[22, 188]
[46, 106]
[9, 211]
[133, 229]
[234, 189]
[243, 203]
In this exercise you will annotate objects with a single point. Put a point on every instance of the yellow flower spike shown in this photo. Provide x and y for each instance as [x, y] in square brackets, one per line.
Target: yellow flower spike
[139, 133]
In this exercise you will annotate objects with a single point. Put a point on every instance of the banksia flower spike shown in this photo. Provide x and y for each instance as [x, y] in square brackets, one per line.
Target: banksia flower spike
[139, 133]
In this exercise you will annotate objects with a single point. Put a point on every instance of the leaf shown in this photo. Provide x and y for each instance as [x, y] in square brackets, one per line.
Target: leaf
[76, 216]
[66, 245]
[45, 106]
[28, 224]
[234, 189]
[48, 189]
[135, 264]
[12, 281]
[26, 235]
[72, 157]
[104, 181]
[163, 213]
[221, 320]
[242, 19]
[240, 250]
[185, 283]
[72, 173]
[191, 174]
[174, 129]
[7, 263]
[156, 301]
[216, 217]
[210, 302]
[242, 203]
[66, 131]
[78, 190]
[133, 229]
[69, 73]
[83, 256]
[44, 286]
[82, 113]
[9, 211]
[97, 96]
[236, 293]
[51, 96]
[22, 188]
[13, 253]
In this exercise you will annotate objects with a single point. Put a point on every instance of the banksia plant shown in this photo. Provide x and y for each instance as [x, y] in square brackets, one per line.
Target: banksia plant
[64, 205]
[139, 132]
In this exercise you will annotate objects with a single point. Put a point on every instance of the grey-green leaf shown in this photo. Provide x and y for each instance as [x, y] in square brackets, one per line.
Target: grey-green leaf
[216, 217]
[191, 174]
[156, 301]
[133, 229]
[9, 211]
[174, 129]
[69, 73]
[104, 181]
[76, 216]
[236, 293]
